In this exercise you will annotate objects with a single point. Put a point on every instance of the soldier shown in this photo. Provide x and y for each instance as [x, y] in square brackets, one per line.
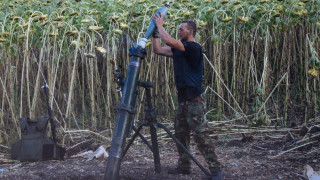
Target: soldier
[188, 71]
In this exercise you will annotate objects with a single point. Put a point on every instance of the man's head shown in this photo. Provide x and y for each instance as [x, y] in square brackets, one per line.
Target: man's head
[187, 30]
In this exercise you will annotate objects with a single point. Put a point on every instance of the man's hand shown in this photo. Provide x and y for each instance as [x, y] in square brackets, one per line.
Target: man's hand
[158, 19]
[165, 37]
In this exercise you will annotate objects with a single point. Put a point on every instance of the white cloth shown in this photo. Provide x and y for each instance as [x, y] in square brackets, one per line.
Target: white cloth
[142, 42]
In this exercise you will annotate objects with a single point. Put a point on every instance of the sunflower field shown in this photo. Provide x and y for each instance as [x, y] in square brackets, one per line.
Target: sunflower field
[260, 58]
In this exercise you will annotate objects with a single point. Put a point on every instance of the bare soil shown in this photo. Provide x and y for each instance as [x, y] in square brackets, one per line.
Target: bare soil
[242, 160]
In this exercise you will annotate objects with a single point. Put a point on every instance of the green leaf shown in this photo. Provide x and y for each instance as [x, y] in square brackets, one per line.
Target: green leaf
[2, 16]
[313, 59]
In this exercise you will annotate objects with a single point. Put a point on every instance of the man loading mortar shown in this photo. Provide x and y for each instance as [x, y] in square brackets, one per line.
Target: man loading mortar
[188, 70]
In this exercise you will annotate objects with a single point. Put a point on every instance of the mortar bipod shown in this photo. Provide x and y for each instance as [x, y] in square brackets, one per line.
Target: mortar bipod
[151, 121]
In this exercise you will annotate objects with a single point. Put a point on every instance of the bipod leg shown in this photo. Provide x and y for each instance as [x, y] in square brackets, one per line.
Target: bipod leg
[184, 148]
[155, 148]
[142, 137]
[134, 137]
[151, 118]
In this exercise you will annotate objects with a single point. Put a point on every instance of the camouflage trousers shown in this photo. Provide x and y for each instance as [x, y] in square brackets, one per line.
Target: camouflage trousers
[190, 117]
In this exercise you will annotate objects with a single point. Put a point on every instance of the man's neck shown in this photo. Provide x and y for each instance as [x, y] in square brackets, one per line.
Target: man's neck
[189, 40]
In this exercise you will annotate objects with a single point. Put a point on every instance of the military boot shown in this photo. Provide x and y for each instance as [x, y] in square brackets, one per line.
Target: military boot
[216, 175]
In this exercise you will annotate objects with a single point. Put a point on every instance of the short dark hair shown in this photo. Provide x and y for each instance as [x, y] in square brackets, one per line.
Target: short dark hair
[191, 25]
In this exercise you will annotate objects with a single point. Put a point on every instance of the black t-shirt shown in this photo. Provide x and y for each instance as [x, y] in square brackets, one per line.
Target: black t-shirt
[188, 70]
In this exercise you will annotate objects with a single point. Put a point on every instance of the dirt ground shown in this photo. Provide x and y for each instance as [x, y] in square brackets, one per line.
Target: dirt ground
[251, 160]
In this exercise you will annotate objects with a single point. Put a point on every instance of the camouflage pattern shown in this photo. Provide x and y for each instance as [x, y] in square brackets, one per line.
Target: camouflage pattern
[190, 117]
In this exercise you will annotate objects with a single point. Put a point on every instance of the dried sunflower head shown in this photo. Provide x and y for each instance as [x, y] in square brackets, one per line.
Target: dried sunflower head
[124, 26]
[117, 31]
[236, 2]
[21, 36]
[90, 55]
[210, 9]
[75, 43]
[60, 18]
[25, 25]
[71, 33]
[43, 17]
[5, 34]
[85, 21]
[95, 28]
[227, 19]
[243, 18]
[3, 40]
[276, 14]
[257, 10]
[54, 34]
[74, 13]
[224, 2]
[134, 21]
[263, 1]
[101, 51]
[202, 23]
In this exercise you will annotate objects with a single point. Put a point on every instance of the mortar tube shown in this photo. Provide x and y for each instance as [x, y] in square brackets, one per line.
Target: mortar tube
[126, 109]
